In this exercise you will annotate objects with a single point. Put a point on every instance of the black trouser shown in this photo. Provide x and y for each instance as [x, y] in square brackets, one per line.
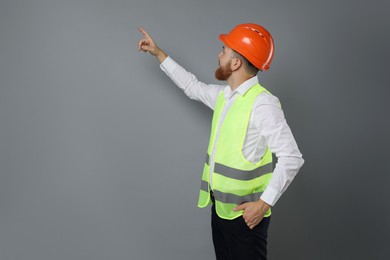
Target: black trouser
[234, 240]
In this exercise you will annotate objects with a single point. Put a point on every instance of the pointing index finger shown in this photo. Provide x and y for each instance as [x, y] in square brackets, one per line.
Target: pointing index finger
[142, 30]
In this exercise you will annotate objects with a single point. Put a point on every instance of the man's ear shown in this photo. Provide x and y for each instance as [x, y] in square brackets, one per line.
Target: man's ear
[236, 64]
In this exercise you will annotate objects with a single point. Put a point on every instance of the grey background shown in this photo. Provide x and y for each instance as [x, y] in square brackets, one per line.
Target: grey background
[100, 154]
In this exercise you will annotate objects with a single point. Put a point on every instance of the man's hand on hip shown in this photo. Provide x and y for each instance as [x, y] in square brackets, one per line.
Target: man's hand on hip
[253, 212]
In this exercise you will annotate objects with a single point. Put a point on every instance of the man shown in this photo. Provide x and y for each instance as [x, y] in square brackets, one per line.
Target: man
[248, 126]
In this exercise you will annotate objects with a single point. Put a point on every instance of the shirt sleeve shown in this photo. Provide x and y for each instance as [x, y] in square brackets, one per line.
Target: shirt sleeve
[192, 87]
[270, 121]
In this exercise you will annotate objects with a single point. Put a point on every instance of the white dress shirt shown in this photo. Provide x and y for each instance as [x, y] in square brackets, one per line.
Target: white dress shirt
[267, 126]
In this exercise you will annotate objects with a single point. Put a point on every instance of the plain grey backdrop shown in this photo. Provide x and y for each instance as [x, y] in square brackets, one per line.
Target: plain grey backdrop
[101, 154]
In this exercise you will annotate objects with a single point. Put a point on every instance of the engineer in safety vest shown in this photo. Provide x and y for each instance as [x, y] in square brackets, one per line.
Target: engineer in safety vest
[239, 179]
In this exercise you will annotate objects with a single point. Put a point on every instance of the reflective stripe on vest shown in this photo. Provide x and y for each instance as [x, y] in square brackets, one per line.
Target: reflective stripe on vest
[235, 180]
[229, 197]
[241, 174]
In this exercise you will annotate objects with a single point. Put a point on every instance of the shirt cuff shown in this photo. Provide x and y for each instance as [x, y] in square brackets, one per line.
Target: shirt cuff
[270, 196]
[168, 65]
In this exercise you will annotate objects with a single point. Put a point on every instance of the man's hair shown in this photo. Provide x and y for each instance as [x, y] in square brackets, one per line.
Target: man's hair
[248, 66]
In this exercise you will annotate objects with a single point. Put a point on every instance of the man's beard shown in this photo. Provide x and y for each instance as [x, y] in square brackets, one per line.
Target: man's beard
[224, 72]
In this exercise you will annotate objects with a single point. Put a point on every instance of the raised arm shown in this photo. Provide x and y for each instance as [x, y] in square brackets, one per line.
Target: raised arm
[147, 44]
[192, 87]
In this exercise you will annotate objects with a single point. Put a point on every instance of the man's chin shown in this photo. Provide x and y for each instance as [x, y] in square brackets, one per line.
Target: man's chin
[221, 74]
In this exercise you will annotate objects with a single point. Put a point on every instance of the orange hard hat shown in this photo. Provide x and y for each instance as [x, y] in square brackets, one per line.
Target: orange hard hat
[253, 42]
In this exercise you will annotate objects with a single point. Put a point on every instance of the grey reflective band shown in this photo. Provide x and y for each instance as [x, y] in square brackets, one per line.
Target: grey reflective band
[241, 174]
[229, 197]
[204, 186]
[235, 199]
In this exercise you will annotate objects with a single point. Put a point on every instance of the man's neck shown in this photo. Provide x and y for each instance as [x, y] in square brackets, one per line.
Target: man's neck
[235, 82]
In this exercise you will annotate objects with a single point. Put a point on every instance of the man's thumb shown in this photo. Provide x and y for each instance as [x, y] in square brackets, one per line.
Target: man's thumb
[240, 207]
[145, 47]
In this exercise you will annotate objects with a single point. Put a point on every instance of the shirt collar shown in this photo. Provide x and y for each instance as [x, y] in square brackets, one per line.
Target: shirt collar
[242, 89]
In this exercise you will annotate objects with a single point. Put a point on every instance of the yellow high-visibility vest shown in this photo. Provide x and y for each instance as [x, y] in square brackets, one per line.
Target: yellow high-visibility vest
[234, 179]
